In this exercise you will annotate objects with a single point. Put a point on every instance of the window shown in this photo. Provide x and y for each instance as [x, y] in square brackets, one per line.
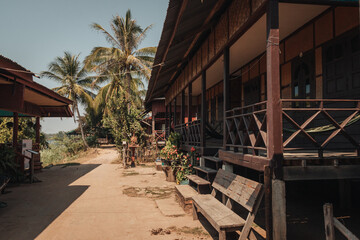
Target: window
[341, 67]
[303, 84]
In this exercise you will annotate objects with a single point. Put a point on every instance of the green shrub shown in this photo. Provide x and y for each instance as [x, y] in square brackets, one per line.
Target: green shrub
[62, 149]
[91, 141]
[8, 167]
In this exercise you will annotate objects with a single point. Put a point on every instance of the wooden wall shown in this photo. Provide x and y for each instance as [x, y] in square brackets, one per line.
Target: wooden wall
[310, 37]
[229, 24]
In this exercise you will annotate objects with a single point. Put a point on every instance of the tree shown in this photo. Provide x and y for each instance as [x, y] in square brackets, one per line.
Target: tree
[123, 122]
[122, 63]
[75, 85]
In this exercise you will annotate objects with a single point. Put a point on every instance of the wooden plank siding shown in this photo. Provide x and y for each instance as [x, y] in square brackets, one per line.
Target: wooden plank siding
[227, 29]
[310, 37]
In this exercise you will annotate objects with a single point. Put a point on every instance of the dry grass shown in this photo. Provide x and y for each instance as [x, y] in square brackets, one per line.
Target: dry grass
[196, 231]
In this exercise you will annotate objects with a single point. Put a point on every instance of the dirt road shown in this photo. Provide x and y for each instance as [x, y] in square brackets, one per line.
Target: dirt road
[95, 200]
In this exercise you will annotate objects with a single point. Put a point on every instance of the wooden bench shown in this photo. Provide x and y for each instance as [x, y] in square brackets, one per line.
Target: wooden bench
[234, 188]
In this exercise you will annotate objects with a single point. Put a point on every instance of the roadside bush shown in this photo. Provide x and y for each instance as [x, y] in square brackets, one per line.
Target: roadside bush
[63, 148]
[91, 141]
[8, 167]
[73, 145]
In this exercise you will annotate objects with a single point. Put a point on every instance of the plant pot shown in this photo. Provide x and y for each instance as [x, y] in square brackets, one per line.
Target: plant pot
[184, 182]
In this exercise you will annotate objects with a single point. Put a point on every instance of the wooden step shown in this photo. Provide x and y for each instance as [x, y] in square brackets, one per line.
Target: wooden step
[198, 180]
[213, 159]
[183, 195]
[206, 170]
[201, 185]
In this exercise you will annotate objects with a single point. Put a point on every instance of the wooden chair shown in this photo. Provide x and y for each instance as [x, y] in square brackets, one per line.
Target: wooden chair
[234, 188]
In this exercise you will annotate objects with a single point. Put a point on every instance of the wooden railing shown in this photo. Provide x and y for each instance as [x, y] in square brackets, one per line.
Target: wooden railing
[190, 133]
[321, 125]
[309, 125]
[246, 129]
[160, 135]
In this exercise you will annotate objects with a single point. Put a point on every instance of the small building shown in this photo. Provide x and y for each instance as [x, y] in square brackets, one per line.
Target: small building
[270, 87]
[21, 96]
[155, 123]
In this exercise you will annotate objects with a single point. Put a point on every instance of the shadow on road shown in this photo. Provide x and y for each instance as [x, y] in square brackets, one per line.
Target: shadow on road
[31, 208]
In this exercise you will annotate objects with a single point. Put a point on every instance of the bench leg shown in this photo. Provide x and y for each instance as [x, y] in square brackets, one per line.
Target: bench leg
[222, 235]
[195, 214]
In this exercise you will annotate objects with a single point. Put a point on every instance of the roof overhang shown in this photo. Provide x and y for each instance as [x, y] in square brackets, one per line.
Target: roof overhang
[19, 93]
[185, 26]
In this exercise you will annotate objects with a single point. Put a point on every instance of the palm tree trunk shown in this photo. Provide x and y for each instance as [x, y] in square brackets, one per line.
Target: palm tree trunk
[81, 127]
[128, 86]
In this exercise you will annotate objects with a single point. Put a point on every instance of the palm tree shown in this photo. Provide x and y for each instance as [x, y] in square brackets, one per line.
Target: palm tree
[123, 64]
[75, 85]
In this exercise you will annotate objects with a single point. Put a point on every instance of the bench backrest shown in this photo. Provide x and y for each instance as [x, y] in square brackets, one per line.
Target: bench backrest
[241, 190]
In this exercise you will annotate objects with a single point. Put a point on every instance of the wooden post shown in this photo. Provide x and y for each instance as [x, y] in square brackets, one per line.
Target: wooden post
[279, 209]
[166, 120]
[175, 110]
[203, 110]
[329, 221]
[189, 113]
[226, 93]
[268, 214]
[189, 103]
[37, 130]
[15, 130]
[170, 116]
[153, 125]
[274, 121]
[274, 114]
[182, 120]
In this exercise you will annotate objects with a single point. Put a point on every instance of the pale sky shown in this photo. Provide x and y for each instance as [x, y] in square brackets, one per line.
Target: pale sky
[34, 32]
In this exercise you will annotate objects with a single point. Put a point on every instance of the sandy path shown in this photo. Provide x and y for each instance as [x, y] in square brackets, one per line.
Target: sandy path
[87, 202]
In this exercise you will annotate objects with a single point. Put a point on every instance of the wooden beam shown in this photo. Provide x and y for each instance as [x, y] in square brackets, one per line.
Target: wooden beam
[189, 103]
[246, 160]
[268, 203]
[279, 209]
[182, 107]
[203, 110]
[153, 124]
[329, 222]
[181, 12]
[349, 3]
[170, 116]
[274, 113]
[226, 92]
[175, 110]
[274, 120]
[296, 173]
[166, 120]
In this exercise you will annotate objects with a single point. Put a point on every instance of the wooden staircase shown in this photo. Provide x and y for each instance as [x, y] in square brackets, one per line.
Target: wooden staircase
[205, 174]
[200, 182]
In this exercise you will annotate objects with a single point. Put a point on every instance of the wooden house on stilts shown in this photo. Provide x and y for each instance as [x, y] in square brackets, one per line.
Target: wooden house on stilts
[271, 90]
